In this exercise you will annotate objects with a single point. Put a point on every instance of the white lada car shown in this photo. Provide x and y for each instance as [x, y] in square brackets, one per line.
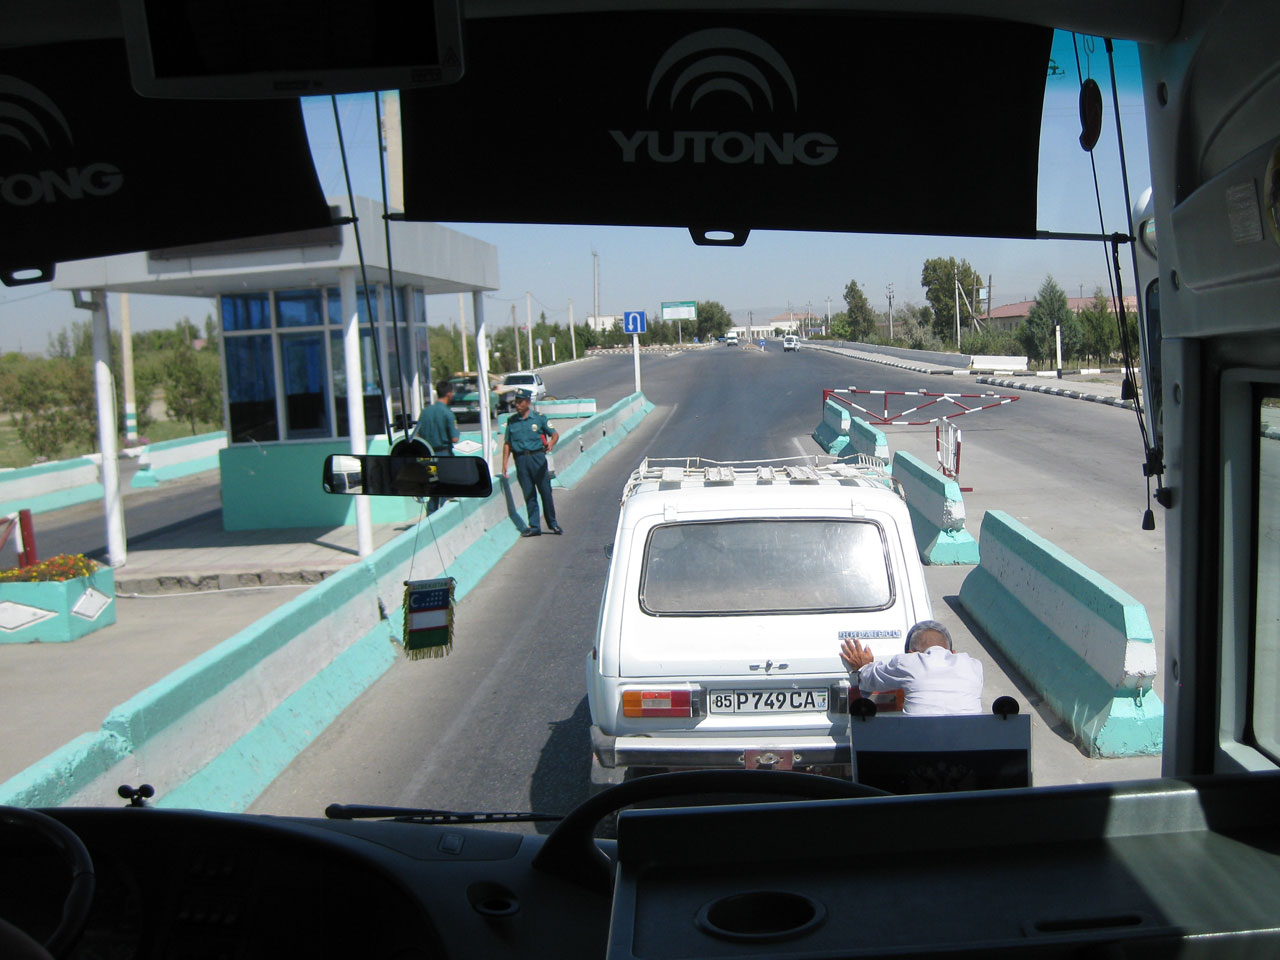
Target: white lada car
[729, 591]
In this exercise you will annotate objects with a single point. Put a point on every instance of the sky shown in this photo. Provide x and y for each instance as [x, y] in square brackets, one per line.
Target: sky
[775, 272]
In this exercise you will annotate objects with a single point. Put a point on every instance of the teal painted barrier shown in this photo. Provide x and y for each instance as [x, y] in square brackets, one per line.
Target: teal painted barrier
[582, 446]
[866, 440]
[1084, 644]
[937, 512]
[175, 459]
[832, 434]
[66, 609]
[278, 485]
[214, 733]
[50, 486]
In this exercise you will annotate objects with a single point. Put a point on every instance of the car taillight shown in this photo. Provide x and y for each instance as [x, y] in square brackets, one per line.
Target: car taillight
[657, 703]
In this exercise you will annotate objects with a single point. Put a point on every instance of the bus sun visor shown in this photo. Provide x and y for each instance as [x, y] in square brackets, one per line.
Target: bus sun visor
[88, 168]
[736, 121]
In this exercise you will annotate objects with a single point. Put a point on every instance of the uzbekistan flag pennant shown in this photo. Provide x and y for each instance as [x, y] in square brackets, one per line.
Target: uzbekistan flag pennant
[428, 618]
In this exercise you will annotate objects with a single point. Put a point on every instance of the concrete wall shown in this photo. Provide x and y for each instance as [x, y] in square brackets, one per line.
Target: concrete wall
[256, 477]
[867, 440]
[832, 434]
[216, 732]
[174, 459]
[937, 512]
[50, 486]
[1083, 643]
[956, 360]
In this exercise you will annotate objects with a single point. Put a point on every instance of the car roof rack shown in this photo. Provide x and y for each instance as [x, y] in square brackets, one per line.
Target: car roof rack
[859, 470]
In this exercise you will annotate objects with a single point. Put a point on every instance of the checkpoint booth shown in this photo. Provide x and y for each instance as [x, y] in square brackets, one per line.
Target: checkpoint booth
[297, 353]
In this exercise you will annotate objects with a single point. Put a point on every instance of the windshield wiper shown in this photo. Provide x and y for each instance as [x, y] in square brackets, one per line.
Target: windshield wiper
[356, 811]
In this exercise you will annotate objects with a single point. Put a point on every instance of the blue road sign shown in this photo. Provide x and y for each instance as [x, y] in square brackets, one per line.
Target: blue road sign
[633, 321]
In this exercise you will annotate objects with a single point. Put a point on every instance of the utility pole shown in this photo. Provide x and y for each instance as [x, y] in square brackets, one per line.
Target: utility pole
[573, 337]
[126, 362]
[462, 322]
[827, 320]
[528, 319]
[889, 293]
[515, 335]
[955, 295]
[595, 286]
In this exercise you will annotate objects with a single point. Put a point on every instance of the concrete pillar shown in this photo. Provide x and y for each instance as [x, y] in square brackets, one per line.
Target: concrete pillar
[482, 365]
[355, 398]
[126, 364]
[113, 508]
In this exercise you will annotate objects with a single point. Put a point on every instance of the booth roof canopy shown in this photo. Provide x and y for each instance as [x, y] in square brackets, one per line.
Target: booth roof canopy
[433, 258]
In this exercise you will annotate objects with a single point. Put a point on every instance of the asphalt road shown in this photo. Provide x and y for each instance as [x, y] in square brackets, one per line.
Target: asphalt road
[83, 528]
[502, 722]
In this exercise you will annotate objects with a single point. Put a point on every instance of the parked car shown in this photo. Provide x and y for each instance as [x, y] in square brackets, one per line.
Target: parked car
[790, 343]
[520, 380]
[466, 397]
[729, 590]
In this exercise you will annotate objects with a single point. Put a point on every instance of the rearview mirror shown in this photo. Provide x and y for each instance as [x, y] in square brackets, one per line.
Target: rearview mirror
[382, 476]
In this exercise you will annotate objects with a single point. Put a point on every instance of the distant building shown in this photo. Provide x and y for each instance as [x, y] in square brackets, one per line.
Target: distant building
[602, 323]
[1009, 317]
[786, 322]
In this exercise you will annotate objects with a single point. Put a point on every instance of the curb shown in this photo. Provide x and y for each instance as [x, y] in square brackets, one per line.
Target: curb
[1058, 392]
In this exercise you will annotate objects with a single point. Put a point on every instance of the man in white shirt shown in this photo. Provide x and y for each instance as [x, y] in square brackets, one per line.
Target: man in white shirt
[935, 679]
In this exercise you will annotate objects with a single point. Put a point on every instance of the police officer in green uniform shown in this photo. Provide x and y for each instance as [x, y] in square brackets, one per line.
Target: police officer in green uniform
[529, 439]
[439, 429]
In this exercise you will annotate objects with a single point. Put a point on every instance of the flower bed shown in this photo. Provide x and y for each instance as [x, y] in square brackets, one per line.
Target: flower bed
[56, 601]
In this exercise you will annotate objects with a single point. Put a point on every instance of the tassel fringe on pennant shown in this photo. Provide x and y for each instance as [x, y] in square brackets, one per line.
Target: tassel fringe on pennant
[428, 618]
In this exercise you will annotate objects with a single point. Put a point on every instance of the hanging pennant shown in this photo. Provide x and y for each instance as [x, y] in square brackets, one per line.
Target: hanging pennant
[428, 618]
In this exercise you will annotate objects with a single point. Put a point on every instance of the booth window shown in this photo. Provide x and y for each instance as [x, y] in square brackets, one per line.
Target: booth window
[305, 395]
[246, 311]
[299, 308]
[251, 389]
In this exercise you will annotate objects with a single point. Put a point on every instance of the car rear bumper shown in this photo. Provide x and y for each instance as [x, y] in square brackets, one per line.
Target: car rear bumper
[701, 753]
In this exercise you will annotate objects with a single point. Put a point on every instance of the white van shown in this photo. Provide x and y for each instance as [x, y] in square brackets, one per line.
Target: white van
[790, 343]
[733, 340]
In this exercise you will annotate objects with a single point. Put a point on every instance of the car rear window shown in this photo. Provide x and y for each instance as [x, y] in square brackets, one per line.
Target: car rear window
[765, 567]
[519, 378]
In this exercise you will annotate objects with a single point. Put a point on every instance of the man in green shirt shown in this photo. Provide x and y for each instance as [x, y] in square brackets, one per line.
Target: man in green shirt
[529, 439]
[438, 429]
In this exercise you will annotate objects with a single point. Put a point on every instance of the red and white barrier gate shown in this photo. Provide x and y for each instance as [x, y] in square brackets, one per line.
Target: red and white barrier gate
[846, 396]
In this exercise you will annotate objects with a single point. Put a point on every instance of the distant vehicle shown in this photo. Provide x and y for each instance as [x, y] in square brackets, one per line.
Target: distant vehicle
[790, 343]
[720, 339]
[521, 380]
[466, 397]
[726, 598]
[733, 340]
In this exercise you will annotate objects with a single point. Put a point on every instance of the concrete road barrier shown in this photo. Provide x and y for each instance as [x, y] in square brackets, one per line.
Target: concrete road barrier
[561, 409]
[1083, 643]
[50, 486]
[173, 459]
[866, 439]
[832, 434]
[937, 512]
[215, 733]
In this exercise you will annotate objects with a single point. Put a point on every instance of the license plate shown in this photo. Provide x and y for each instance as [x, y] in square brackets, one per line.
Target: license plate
[768, 701]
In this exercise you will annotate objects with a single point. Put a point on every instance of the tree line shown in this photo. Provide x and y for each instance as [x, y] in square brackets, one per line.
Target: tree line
[52, 400]
[1091, 334]
[712, 321]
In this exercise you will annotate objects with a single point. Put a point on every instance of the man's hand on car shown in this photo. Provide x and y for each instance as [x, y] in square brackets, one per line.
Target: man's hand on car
[855, 655]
